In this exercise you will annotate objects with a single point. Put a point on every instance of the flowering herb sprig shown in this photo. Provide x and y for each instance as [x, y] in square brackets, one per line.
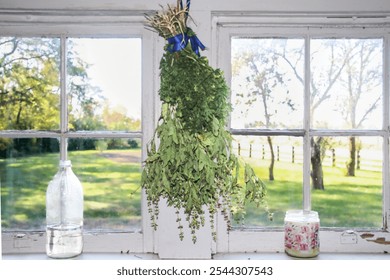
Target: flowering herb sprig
[190, 160]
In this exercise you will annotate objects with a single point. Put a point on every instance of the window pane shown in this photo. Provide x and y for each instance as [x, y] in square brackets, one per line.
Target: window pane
[267, 83]
[104, 84]
[29, 83]
[109, 169]
[346, 86]
[110, 172]
[284, 191]
[26, 167]
[352, 188]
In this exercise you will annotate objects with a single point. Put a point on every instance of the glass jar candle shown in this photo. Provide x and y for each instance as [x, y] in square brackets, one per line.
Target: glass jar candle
[301, 230]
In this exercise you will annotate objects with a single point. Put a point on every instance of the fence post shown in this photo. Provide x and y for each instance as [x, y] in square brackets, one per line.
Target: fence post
[333, 158]
[250, 150]
[277, 149]
[358, 160]
[292, 154]
[263, 154]
[239, 149]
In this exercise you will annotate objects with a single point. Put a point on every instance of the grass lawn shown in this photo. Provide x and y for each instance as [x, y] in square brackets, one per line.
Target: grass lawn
[110, 180]
[111, 183]
[345, 202]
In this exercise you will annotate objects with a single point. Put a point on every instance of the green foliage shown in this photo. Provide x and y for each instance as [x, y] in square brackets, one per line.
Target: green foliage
[101, 145]
[28, 84]
[30, 99]
[193, 166]
[196, 90]
[116, 119]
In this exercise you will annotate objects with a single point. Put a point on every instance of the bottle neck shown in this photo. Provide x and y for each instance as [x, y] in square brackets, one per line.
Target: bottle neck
[65, 164]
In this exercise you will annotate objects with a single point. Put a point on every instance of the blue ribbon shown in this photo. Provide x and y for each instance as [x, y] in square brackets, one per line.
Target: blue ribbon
[196, 44]
[180, 42]
[177, 43]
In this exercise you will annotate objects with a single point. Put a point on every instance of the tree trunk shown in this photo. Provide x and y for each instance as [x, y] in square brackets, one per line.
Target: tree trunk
[352, 157]
[317, 175]
[271, 166]
[17, 121]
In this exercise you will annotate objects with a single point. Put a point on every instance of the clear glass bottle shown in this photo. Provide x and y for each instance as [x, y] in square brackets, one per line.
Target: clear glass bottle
[64, 214]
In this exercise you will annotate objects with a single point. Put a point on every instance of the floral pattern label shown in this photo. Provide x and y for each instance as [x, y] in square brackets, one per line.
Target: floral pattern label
[302, 238]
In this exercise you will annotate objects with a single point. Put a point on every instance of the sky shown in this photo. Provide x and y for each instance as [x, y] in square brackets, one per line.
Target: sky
[115, 67]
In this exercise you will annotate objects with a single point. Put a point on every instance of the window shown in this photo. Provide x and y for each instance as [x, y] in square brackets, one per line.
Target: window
[83, 92]
[299, 59]
[95, 96]
[310, 113]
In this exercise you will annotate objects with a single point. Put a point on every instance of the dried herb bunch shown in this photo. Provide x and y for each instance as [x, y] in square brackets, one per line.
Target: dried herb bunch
[169, 22]
[190, 159]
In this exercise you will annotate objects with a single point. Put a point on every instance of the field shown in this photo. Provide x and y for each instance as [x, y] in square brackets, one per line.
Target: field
[345, 202]
[111, 181]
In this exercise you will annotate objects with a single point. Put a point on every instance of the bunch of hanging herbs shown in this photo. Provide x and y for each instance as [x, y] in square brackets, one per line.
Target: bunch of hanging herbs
[190, 159]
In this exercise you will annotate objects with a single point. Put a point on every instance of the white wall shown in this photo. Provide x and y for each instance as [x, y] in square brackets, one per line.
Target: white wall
[349, 6]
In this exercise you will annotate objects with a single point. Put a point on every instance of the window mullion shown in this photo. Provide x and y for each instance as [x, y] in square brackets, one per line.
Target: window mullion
[386, 127]
[306, 126]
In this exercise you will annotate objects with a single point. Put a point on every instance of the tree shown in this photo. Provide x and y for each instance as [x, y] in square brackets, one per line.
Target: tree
[361, 79]
[29, 88]
[321, 84]
[258, 67]
[116, 118]
[29, 84]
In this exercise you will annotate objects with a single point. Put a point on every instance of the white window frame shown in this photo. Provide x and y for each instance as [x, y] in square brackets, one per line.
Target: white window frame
[117, 23]
[262, 25]
[96, 24]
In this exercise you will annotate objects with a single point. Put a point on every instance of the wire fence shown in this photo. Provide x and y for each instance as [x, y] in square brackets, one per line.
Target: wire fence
[366, 159]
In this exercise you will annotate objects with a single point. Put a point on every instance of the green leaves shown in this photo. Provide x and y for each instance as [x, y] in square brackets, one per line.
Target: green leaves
[196, 90]
[194, 166]
[252, 186]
